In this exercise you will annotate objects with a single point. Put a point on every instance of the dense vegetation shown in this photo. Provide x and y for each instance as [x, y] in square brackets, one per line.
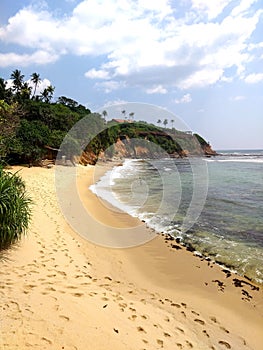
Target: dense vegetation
[14, 208]
[30, 121]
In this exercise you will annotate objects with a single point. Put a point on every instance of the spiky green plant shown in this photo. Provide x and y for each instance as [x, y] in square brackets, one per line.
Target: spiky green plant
[15, 211]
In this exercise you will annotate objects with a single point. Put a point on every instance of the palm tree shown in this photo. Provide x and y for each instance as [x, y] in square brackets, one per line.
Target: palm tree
[159, 121]
[104, 113]
[15, 210]
[50, 90]
[131, 115]
[124, 113]
[47, 93]
[44, 95]
[172, 122]
[18, 78]
[25, 91]
[35, 78]
[165, 122]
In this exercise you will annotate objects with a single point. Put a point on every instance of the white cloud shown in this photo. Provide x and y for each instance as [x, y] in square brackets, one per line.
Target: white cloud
[185, 99]
[114, 102]
[23, 60]
[97, 74]
[211, 8]
[159, 89]
[141, 43]
[242, 7]
[254, 78]
[226, 79]
[237, 98]
[201, 78]
[110, 85]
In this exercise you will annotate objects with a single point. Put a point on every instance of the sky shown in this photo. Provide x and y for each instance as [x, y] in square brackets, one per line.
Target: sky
[201, 60]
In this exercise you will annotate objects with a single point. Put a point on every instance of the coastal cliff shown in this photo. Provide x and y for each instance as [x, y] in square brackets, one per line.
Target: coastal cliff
[146, 142]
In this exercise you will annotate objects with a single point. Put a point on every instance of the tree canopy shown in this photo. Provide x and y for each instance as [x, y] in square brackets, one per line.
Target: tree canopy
[30, 120]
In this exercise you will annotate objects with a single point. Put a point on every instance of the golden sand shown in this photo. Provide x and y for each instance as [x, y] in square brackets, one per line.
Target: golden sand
[59, 291]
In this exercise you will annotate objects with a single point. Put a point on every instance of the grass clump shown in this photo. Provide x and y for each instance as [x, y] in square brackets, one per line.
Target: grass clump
[15, 211]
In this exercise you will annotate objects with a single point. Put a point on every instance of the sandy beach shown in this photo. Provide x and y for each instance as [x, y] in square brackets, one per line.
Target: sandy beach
[60, 291]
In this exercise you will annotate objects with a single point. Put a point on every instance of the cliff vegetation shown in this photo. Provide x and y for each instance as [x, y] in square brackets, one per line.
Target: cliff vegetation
[33, 126]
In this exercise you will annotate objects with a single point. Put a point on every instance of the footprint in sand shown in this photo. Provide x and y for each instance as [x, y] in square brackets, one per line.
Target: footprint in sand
[224, 329]
[64, 317]
[180, 330]
[123, 305]
[195, 313]
[78, 294]
[167, 335]
[140, 329]
[205, 332]
[160, 342]
[108, 278]
[62, 273]
[213, 319]
[46, 340]
[72, 287]
[176, 305]
[190, 345]
[226, 344]
[132, 317]
[167, 319]
[197, 320]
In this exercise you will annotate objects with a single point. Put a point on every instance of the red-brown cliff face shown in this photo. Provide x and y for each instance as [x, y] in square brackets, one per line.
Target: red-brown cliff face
[143, 148]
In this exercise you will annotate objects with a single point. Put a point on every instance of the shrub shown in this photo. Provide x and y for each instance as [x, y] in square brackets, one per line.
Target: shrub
[15, 209]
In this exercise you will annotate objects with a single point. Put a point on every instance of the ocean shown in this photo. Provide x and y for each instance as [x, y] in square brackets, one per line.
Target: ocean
[213, 205]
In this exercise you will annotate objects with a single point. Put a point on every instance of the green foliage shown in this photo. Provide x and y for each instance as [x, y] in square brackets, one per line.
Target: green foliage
[29, 122]
[14, 208]
[32, 136]
[9, 122]
[201, 140]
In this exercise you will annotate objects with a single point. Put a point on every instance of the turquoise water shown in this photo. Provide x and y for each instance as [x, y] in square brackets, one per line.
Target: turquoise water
[225, 195]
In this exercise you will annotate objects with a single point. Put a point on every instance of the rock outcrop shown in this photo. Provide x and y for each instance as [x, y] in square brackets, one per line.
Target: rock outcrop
[142, 147]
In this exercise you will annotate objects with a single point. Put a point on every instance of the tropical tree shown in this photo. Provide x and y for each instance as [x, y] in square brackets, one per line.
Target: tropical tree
[104, 113]
[159, 121]
[5, 93]
[172, 122]
[9, 121]
[15, 210]
[44, 95]
[35, 78]
[124, 113]
[25, 91]
[69, 102]
[165, 122]
[131, 115]
[17, 78]
[31, 138]
[47, 93]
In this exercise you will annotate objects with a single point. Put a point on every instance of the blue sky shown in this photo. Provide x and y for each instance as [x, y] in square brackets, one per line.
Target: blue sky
[201, 60]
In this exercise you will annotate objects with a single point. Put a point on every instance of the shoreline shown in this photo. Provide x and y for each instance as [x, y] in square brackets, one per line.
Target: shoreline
[61, 290]
[227, 268]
